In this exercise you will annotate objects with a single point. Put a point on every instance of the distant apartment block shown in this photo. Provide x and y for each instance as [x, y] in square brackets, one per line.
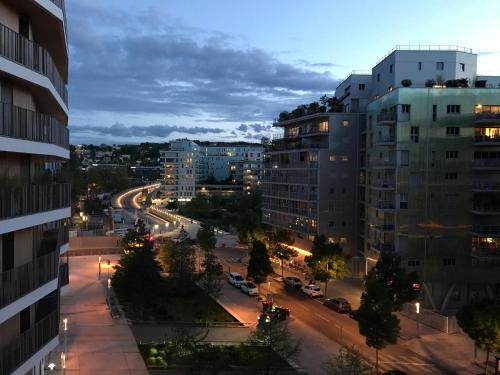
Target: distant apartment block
[192, 167]
[426, 181]
[34, 202]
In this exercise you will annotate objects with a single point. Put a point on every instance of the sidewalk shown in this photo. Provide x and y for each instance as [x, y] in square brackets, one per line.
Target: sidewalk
[96, 343]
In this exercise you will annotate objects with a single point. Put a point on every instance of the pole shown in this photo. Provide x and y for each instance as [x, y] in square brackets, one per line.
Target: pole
[99, 276]
[417, 308]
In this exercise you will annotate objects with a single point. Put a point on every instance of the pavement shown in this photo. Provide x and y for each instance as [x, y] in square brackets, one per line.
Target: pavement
[96, 343]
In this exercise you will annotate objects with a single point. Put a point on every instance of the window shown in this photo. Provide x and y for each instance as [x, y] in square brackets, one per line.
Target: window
[344, 158]
[403, 201]
[453, 108]
[390, 68]
[434, 112]
[332, 190]
[440, 65]
[404, 158]
[405, 108]
[419, 65]
[414, 134]
[345, 123]
[343, 240]
[378, 77]
[452, 130]
[323, 126]
[331, 224]
[449, 261]
[333, 158]
[462, 67]
[361, 87]
[344, 224]
[451, 176]
[24, 27]
[413, 263]
[451, 154]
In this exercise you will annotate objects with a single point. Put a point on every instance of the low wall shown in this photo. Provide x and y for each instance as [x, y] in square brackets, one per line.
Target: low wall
[446, 324]
[96, 245]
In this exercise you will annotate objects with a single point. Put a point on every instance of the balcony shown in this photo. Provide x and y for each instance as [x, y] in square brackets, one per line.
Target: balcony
[387, 118]
[486, 253]
[486, 164]
[384, 185]
[28, 277]
[32, 199]
[15, 353]
[379, 246]
[29, 54]
[486, 230]
[16, 122]
[384, 164]
[384, 227]
[487, 117]
[386, 141]
[483, 140]
[288, 195]
[486, 209]
[385, 205]
[63, 274]
[486, 187]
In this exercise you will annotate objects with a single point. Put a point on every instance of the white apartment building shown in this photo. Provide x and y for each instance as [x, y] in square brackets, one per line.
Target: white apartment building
[34, 203]
[189, 165]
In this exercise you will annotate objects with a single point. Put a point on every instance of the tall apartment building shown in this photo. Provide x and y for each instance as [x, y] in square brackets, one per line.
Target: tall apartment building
[190, 165]
[34, 203]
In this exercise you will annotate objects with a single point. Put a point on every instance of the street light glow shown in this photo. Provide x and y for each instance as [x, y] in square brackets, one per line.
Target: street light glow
[417, 307]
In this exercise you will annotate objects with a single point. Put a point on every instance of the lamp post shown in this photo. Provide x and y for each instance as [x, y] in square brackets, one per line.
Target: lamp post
[109, 266]
[107, 291]
[65, 330]
[417, 310]
[99, 275]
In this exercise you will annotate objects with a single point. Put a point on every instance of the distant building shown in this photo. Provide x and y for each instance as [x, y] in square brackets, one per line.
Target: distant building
[189, 165]
[34, 203]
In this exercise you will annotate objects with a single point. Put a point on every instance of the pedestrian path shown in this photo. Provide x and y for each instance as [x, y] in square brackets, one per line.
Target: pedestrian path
[95, 343]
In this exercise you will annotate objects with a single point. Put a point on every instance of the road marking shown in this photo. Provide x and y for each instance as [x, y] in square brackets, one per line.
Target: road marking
[322, 317]
[303, 306]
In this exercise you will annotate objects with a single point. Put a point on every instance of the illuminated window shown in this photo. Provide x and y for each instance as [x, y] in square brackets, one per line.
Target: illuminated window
[323, 126]
[344, 158]
[331, 239]
[345, 123]
[333, 158]
[343, 239]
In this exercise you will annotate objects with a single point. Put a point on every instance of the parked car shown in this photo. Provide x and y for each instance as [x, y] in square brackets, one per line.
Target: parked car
[353, 314]
[312, 290]
[274, 313]
[340, 305]
[235, 279]
[249, 288]
[292, 281]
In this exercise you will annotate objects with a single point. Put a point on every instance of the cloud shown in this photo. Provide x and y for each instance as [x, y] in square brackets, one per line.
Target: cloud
[242, 128]
[146, 62]
[318, 64]
[151, 131]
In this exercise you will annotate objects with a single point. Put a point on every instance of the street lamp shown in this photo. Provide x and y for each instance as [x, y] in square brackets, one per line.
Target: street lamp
[99, 276]
[417, 309]
[107, 291]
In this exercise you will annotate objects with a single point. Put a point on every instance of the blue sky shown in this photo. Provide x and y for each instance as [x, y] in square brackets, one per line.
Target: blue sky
[155, 70]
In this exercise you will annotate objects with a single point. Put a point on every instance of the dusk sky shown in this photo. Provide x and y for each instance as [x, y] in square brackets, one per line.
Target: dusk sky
[156, 70]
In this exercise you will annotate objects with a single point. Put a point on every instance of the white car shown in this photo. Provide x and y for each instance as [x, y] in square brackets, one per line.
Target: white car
[249, 288]
[292, 281]
[312, 290]
[235, 279]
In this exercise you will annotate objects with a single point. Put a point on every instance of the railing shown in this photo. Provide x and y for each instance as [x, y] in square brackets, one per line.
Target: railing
[24, 279]
[387, 117]
[63, 274]
[58, 3]
[485, 252]
[425, 47]
[486, 230]
[487, 115]
[283, 146]
[385, 227]
[386, 205]
[391, 163]
[22, 123]
[487, 209]
[29, 54]
[16, 352]
[487, 186]
[290, 180]
[287, 195]
[389, 139]
[486, 139]
[485, 163]
[382, 246]
[31, 199]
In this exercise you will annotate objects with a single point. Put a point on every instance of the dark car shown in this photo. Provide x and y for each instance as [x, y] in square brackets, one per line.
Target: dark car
[353, 314]
[394, 372]
[274, 313]
[340, 305]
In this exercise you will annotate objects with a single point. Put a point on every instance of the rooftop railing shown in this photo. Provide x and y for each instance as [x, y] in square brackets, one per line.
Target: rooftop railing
[31, 199]
[28, 343]
[22, 123]
[24, 279]
[387, 117]
[425, 47]
[29, 54]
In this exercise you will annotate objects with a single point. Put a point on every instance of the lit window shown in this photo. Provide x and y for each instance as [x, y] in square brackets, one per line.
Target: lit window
[343, 239]
[344, 158]
[345, 123]
[323, 126]
[333, 158]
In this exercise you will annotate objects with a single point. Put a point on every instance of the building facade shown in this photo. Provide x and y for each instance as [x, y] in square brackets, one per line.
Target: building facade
[190, 167]
[34, 201]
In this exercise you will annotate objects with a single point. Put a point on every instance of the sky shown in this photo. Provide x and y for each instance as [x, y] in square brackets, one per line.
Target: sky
[222, 70]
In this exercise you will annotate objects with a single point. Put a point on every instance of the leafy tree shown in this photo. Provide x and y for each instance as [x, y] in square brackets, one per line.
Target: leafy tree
[278, 241]
[326, 261]
[259, 265]
[248, 226]
[206, 237]
[348, 361]
[178, 258]
[272, 336]
[481, 321]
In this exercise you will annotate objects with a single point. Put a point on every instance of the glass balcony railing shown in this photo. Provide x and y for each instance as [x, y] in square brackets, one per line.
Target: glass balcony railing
[387, 117]
[487, 230]
[28, 343]
[486, 163]
[21, 123]
[29, 54]
[487, 116]
[31, 199]
[487, 186]
[487, 139]
[24, 279]
[385, 205]
[390, 139]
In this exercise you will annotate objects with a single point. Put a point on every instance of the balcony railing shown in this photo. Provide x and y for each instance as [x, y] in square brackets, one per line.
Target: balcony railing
[487, 116]
[486, 163]
[28, 343]
[487, 230]
[24, 279]
[22, 123]
[390, 163]
[489, 209]
[387, 117]
[385, 227]
[63, 274]
[486, 252]
[58, 3]
[31, 199]
[287, 195]
[388, 139]
[29, 54]
[382, 246]
[385, 205]
[488, 186]
[487, 139]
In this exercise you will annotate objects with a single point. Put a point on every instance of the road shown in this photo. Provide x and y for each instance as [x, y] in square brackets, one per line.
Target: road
[333, 328]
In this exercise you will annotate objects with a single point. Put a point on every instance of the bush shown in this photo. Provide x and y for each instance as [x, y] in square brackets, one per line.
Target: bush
[406, 83]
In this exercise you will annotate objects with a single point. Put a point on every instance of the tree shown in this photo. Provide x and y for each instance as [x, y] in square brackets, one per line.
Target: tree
[279, 242]
[272, 336]
[348, 361]
[481, 321]
[326, 261]
[178, 258]
[248, 227]
[259, 265]
[206, 237]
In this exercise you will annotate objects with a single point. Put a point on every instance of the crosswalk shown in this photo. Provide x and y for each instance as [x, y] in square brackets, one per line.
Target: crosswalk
[409, 364]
